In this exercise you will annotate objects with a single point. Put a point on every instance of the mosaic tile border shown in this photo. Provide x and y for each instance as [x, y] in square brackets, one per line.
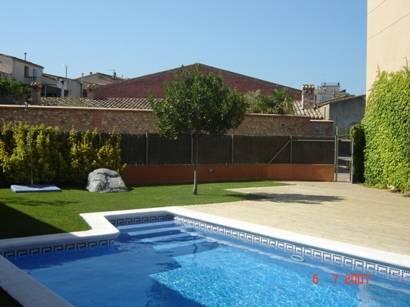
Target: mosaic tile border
[121, 221]
[324, 256]
[56, 247]
[83, 244]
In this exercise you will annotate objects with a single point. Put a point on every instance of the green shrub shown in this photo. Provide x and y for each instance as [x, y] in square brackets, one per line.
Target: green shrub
[41, 154]
[387, 131]
[109, 154]
[279, 102]
[29, 153]
[82, 155]
[16, 155]
[358, 138]
[6, 147]
[13, 89]
[88, 151]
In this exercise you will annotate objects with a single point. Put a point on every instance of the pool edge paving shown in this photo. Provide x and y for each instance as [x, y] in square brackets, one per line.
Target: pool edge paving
[103, 230]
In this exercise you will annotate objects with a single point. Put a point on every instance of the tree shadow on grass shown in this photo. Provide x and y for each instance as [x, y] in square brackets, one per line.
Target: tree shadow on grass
[36, 202]
[288, 198]
[14, 223]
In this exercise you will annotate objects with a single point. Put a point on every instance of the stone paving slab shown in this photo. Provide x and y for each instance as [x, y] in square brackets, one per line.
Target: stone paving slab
[337, 211]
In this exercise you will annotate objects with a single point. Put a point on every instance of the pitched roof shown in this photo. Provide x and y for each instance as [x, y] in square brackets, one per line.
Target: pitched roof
[341, 98]
[140, 104]
[152, 84]
[99, 79]
[51, 77]
[21, 60]
[113, 103]
[313, 113]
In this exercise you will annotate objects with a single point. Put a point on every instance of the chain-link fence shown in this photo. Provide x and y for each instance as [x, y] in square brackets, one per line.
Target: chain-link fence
[226, 149]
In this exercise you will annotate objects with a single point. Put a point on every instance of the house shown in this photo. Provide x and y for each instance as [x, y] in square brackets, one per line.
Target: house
[328, 90]
[28, 72]
[153, 84]
[96, 79]
[143, 87]
[57, 86]
[343, 111]
[19, 69]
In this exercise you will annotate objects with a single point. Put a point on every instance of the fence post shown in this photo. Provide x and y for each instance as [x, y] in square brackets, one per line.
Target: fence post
[232, 148]
[146, 148]
[291, 150]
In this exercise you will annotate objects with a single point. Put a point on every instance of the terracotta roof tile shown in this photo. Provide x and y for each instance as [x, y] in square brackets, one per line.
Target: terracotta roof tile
[116, 103]
[141, 104]
[309, 112]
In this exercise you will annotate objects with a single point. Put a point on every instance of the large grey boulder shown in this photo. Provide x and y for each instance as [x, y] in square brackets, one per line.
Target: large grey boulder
[105, 180]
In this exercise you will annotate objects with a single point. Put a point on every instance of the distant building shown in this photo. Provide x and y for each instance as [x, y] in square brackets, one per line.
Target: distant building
[343, 111]
[57, 86]
[327, 91]
[96, 79]
[141, 88]
[28, 72]
[19, 69]
[153, 84]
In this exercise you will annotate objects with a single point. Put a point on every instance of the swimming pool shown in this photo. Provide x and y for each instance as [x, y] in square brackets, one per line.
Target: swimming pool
[173, 261]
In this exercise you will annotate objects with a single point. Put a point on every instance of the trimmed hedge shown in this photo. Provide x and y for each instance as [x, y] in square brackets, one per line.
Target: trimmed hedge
[40, 154]
[358, 138]
[387, 131]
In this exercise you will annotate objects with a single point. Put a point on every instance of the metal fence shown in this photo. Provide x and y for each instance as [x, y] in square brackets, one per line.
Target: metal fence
[226, 149]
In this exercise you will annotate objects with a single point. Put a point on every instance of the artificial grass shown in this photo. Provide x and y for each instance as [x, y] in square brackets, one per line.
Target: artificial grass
[27, 214]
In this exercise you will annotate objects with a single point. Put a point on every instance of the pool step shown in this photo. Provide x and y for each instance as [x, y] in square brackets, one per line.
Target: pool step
[152, 231]
[169, 237]
[172, 245]
[146, 225]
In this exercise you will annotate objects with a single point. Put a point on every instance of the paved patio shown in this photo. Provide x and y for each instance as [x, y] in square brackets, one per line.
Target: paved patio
[338, 211]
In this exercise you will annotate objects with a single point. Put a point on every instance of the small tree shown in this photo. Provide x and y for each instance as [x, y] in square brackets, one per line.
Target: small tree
[13, 89]
[198, 104]
[279, 102]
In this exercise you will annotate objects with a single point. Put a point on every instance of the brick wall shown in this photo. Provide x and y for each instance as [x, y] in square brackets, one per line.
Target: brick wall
[153, 84]
[141, 121]
[177, 173]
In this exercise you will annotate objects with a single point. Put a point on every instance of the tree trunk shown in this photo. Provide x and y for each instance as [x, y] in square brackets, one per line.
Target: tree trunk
[195, 187]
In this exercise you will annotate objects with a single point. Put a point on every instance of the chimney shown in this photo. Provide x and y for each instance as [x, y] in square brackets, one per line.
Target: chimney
[308, 96]
[90, 93]
[114, 75]
[35, 92]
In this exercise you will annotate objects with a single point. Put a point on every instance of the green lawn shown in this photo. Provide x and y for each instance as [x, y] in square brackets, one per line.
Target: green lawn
[26, 214]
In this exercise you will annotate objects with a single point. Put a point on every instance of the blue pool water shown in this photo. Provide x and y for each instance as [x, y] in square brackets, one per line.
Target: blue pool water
[164, 264]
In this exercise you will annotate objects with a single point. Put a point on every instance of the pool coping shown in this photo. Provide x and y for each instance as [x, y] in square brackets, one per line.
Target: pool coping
[17, 282]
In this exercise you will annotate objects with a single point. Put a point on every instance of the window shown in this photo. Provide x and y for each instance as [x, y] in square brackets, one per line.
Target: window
[34, 73]
[26, 71]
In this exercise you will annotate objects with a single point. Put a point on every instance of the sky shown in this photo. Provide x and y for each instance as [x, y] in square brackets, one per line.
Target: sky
[288, 42]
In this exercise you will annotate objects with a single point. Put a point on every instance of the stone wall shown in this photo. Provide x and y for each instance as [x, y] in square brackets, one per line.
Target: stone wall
[142, 121]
